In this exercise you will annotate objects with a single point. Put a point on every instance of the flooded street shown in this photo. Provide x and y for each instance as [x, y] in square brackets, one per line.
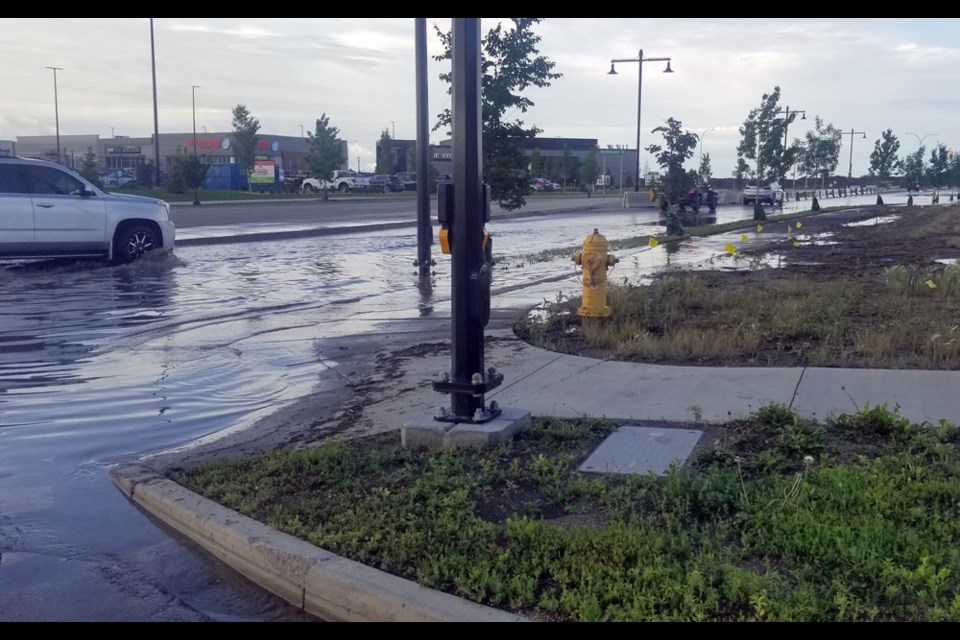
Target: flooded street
[103, 364]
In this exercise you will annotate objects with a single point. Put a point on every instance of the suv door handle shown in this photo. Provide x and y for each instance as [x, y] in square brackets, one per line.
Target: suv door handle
[44, 205]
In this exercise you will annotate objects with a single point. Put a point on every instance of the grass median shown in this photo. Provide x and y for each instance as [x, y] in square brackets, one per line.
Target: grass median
[774, 518]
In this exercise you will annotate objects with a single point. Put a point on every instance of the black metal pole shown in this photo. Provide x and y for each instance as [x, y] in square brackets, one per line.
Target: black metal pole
[467, 228]
[56, 109]
[156, 121]
[636, 185]
[424, 229]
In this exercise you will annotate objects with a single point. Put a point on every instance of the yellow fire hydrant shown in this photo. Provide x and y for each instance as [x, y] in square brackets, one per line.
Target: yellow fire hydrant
[595, 260]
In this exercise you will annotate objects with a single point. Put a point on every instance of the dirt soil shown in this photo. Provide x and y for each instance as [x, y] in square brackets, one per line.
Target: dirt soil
[871, 246]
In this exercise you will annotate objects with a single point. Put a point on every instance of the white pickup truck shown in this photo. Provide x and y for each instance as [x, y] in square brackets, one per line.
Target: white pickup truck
[341, 180]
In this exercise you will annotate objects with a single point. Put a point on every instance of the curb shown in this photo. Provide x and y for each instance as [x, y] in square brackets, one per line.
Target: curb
[319, 582]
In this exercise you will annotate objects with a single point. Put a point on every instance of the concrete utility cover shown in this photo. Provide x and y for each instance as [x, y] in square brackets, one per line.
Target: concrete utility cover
[641, 450]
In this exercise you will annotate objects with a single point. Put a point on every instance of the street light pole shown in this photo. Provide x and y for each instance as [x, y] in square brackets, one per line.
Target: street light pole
[424, 227]
[393, 126]
[639, 60]
[56, 108]
[301, 130]
[702, 135]
[156, 121]
[193, 91]
[851, 133]
[786, 140]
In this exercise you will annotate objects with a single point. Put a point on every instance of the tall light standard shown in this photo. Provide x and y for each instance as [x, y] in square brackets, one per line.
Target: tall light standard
[301, 130]
[112, 133]
[393, 126]
[705, 132]
[193, 91]
[156, 121]
[851, 133]
[613, 71]
[787, 111]
[56, 107]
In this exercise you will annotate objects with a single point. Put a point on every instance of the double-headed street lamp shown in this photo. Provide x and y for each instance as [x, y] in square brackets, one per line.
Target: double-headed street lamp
[56, 107]
[920, 140]
[639, 60]
[851, 133]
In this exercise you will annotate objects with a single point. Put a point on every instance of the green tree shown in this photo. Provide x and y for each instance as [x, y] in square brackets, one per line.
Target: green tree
[511, 64]
[677, 148]
[821, 150]
[705, 172]
[912, 165]
[939, 166]
[89, 168]
[536, 164]
[883, 159]
[187, 173]
[955, 170]
[324, 151]
[589, 170]
[762, 140]
[386, 158]
[245, 128]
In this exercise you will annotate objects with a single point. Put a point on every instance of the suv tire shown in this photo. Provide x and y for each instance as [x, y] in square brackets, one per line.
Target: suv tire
[132, 242]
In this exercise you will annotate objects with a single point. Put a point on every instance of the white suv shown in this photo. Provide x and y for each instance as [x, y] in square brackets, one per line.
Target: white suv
[771, 194]
[48, 211]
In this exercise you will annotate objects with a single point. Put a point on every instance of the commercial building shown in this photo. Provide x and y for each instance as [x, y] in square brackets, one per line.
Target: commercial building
[559, 159]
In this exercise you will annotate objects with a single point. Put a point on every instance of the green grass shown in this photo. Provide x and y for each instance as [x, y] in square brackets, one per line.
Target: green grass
[769, 318]
[776, 518]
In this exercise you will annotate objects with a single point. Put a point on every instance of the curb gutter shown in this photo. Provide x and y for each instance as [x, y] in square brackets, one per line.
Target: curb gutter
[319, 582]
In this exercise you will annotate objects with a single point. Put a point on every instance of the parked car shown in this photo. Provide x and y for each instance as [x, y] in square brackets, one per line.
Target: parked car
[381, 183]
[408, 179]
[771, 194]
[116, 178]
[542, 184]
[913, 186]
[48, 211]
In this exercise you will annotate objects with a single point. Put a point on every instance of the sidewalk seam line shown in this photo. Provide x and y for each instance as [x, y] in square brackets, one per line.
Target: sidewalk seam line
[535, 371]
[796, 389]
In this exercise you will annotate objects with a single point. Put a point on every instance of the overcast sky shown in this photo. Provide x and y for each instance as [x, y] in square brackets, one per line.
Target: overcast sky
[866, 74]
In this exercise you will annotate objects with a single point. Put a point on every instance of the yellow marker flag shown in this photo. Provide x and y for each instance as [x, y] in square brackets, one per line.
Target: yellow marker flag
[731, 248]
[796, 244]
[759, 228]
[931, 284]
[799, 225]
[744, 238]
[653, 242]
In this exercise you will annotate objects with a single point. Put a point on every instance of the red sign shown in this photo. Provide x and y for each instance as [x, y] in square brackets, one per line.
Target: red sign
[206, 144]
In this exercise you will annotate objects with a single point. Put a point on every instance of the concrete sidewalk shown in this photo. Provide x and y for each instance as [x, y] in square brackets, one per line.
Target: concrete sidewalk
[552, 384]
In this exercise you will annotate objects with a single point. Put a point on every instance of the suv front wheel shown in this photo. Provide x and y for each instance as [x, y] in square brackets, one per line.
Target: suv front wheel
[134, 241]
